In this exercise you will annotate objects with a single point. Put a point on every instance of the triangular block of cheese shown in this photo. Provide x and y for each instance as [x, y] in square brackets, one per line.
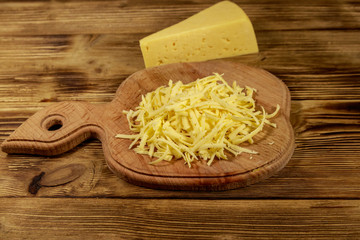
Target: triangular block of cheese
[222, 30]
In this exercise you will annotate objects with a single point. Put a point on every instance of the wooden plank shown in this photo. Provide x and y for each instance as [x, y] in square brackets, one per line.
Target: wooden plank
[178, 219]
[314, 64]
[95, 17]
[323, 119]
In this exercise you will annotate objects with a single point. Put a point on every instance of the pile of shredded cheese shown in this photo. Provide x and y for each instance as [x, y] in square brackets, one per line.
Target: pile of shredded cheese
[199, 120]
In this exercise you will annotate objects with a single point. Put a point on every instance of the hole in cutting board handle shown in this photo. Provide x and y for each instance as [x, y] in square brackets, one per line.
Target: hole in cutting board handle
[53, 123]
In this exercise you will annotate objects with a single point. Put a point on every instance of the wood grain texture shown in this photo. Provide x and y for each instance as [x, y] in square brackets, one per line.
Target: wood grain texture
[53, 51]
[146, 17]
[62, 126]
[155, 219]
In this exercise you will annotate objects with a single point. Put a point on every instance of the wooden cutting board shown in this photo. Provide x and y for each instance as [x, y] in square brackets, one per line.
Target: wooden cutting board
[64, 125]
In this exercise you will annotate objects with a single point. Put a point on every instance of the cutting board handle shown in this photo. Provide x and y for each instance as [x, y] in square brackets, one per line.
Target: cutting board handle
[57, 129]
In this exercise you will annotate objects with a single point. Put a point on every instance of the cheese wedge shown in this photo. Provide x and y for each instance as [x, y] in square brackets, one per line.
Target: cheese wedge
[222, 30]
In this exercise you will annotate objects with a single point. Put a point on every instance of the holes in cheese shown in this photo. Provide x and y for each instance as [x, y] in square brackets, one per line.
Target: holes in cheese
[199, 120]
[222, 30]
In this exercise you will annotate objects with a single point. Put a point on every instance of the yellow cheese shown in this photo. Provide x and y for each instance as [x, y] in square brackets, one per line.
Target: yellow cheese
[222, 30]
[199, 120]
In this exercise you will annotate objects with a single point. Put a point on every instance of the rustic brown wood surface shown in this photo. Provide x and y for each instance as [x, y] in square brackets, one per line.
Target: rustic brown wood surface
[54, 51]
[62, 126]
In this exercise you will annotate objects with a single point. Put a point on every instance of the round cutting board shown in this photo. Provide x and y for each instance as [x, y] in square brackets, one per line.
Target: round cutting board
[64, 125]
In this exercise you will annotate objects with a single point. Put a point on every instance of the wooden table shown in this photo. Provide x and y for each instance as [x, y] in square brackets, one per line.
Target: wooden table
[52, 51]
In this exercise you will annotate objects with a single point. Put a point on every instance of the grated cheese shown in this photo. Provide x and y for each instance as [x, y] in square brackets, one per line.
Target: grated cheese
[199, 120]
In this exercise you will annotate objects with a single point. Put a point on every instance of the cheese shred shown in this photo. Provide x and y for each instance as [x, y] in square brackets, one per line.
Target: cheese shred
[200, 120]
